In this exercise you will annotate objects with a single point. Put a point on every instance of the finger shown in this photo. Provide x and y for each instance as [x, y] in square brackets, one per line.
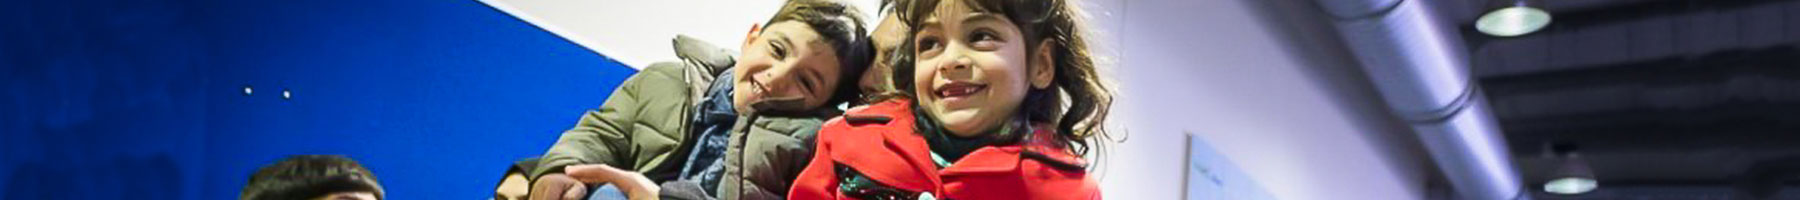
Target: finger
[646, 197]
[546, 189]
[645, 192]
[638, 186]
[643, 183]
[592, 173]
[546, 195]
[574, 192]
[581, 168]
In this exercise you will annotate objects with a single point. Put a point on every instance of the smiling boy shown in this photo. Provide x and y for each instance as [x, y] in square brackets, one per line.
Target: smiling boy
[744, 134]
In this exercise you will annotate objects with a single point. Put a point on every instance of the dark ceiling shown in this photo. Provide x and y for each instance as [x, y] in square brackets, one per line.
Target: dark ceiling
[1666, 99]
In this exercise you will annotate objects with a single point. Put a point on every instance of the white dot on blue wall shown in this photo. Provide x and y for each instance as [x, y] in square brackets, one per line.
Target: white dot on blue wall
[248, 91]
[286, 94]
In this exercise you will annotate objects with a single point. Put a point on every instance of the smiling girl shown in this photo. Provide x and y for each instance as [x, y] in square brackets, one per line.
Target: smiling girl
[999, 104]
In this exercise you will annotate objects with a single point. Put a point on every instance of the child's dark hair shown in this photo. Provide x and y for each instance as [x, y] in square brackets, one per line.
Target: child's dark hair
[521, 167]
[898, 56]
[310, 176]
[842, 26]
[1088, 99]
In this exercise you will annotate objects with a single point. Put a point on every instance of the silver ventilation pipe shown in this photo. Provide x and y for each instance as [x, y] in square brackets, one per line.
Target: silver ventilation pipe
[1421, 72]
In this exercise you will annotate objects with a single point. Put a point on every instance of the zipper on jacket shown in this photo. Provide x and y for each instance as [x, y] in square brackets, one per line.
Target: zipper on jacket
[682, 147]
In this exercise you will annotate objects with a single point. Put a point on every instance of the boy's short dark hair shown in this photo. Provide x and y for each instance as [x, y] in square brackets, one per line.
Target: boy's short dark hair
[522, 167]
[842, 26]
[888, 6]
[310, 176]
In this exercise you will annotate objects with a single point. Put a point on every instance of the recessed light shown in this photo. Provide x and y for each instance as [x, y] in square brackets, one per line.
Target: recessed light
[1570, 185]
[1572, 174]
[1512, 21]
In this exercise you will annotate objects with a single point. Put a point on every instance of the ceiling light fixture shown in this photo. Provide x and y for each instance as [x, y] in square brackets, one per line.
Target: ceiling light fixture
[1511, 18]
[1573, 175]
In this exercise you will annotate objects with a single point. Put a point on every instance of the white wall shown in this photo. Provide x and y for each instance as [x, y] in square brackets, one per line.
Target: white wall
[637, 32]
[1214, 68]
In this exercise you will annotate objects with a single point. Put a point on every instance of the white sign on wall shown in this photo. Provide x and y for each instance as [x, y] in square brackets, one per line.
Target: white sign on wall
[1210, 176]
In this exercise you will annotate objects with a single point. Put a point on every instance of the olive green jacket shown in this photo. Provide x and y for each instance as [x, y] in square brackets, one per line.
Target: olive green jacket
[644, 127]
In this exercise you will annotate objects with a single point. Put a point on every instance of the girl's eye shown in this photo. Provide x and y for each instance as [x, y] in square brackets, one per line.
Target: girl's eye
[984, 40]
[981, 36]
[928, 46]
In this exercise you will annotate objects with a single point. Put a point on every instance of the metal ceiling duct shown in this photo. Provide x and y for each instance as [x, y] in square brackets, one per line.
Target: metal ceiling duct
[1422, 73]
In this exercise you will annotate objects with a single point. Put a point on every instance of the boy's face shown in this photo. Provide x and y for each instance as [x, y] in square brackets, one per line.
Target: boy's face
[971, 71]
[887, 37]
[785, 59]
[348, 196]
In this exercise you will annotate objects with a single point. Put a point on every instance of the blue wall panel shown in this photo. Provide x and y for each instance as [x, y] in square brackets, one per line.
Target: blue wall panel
[141, 99]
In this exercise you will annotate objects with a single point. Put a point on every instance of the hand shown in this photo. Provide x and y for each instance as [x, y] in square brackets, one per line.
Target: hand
[546, 187]
[635, 185]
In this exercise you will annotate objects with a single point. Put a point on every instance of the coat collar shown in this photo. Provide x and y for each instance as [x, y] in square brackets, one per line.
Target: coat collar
[880, 144]
[901, 158]
[1039, 146]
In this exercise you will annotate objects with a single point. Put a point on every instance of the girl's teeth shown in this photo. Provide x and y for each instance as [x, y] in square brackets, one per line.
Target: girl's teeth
[959, 91]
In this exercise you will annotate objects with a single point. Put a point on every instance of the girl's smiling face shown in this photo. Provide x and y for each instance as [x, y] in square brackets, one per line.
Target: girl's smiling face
[972, 68]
